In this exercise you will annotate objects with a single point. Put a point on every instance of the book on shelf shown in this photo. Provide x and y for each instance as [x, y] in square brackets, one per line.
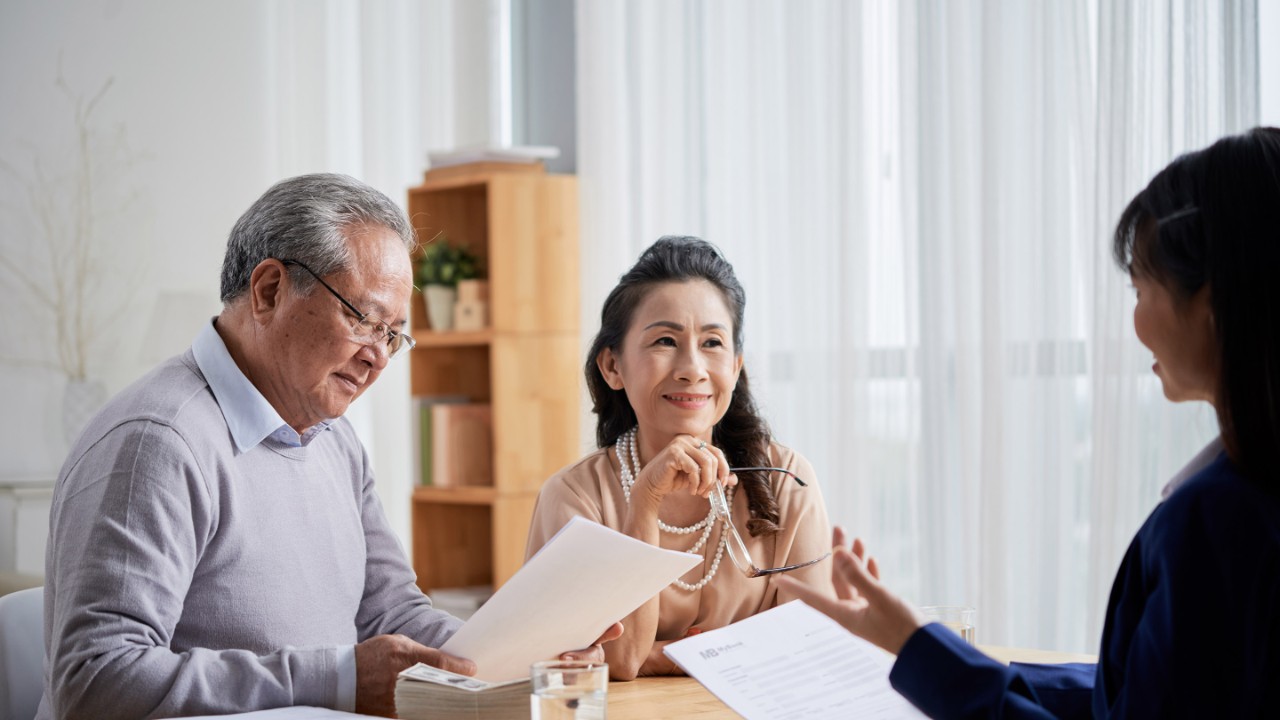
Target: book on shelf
[462, 445]
[429, 693]
[421, 431]
[529, 154]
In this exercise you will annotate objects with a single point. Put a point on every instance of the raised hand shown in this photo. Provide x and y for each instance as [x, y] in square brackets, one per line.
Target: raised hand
[595, 651]
[685, 464]
[862, 605]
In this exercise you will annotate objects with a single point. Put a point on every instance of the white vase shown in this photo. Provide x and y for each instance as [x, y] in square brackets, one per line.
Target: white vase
[80, 401]
[440, 300]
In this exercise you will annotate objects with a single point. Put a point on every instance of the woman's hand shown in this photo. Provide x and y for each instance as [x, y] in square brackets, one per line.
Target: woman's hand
[685, 464]
[658, 664]
[862, 605]
[595, 651]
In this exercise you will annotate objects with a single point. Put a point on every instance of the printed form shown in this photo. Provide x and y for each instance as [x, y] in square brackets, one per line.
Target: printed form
[792, 662]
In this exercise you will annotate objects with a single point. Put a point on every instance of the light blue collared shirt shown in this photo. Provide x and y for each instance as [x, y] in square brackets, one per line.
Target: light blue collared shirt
[249, 416]
[251, 419]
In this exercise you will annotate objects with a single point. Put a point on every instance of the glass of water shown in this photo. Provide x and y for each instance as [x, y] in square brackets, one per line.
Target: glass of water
[569, 690]
[959, 618]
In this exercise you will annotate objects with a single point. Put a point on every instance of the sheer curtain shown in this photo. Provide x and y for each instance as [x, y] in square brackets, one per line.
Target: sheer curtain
[917, 197]
[1173, 76]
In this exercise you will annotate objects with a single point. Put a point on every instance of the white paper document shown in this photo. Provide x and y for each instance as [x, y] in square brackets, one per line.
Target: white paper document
[792, 662]
[582, 581]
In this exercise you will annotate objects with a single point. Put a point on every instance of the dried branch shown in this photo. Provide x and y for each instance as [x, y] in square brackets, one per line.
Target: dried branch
[63, 212]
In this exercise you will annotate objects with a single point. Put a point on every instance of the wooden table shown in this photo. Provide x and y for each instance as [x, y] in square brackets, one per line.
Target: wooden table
[683, 697]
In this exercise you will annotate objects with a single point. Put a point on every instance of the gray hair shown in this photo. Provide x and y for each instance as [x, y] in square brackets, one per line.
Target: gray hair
[305, 218]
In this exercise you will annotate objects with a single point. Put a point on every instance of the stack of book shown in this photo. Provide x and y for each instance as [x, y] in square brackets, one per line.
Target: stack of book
[453, 441]
[429, 693]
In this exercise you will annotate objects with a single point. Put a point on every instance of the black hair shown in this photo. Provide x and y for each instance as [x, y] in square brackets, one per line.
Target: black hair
[1212, 218]
[742, 434]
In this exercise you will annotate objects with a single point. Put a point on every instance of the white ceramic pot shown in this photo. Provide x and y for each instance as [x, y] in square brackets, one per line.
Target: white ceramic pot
[440, 300]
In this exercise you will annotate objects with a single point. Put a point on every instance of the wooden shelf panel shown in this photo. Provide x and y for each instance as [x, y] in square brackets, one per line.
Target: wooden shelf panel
[522, 224]
[468, 536]
[452, 545]
[455, 495]
[451, 370]
[459, 214]
[429, 339]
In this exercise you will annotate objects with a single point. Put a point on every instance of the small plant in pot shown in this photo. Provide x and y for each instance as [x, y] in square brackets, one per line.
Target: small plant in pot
[438, 271]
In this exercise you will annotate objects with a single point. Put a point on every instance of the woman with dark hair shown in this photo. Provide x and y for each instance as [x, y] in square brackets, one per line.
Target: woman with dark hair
[685, 460]
[1192, 628]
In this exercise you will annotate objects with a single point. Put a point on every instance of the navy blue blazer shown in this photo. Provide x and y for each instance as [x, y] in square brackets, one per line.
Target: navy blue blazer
[1192, 627]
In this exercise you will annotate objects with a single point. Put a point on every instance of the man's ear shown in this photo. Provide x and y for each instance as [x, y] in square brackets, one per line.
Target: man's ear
[266, 288]
[608, 364]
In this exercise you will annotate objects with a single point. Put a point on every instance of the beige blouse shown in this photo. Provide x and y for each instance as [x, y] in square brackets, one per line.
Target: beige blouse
[591, 488]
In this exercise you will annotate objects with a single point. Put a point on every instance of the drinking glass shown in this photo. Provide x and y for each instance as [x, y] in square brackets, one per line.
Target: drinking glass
[959, 618]
[569, 690]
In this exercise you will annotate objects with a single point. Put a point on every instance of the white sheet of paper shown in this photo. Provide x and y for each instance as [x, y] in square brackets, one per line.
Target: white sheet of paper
[792, 661]
[582, 581]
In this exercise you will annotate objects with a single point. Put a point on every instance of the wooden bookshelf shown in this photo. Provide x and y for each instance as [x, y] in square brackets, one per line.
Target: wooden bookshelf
[522, 224]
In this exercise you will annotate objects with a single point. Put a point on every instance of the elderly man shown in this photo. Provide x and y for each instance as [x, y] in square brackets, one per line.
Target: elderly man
[216, 544]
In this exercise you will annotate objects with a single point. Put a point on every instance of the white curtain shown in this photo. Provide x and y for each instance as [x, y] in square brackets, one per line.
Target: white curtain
[918, 198]
[1172, 76]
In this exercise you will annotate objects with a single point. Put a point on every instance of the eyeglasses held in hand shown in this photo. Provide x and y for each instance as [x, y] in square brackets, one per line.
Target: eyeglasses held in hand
[738, 552]
[368, 330]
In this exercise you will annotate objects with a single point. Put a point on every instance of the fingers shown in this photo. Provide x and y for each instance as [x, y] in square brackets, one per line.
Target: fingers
[712, 466]
[839, 579]
[859, 548]
[839, 541]
[445, 661]
[687, 462]
[594, 653]
[702, 464]
[381, 658]
[873, 568]
[612, 633]
[856, 573]
[834, 609]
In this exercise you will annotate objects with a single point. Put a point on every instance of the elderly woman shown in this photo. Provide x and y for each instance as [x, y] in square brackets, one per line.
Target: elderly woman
[676, 426]
[1191, 627]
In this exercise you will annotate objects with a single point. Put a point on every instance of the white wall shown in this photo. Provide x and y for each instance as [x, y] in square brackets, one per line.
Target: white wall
[209, 104]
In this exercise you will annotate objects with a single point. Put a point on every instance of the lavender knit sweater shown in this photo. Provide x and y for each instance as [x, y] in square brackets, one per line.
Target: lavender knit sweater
[184, 577]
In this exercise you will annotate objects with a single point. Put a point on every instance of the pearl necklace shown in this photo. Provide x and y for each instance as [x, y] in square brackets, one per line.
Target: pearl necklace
[626, 446]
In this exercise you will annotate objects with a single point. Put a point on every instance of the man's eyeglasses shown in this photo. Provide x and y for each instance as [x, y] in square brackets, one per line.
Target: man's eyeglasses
[369, 330]
[738, 552]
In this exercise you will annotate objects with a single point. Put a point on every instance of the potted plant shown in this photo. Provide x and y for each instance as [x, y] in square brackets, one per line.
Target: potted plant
[439, 268]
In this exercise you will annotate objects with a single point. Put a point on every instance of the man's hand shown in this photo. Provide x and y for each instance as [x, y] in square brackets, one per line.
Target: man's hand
[862, 605]
[595, 653]
[380, 659]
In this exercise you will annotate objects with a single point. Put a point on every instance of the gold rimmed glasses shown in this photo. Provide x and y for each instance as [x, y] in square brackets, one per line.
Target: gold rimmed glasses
[368, 330]
[738, 552]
